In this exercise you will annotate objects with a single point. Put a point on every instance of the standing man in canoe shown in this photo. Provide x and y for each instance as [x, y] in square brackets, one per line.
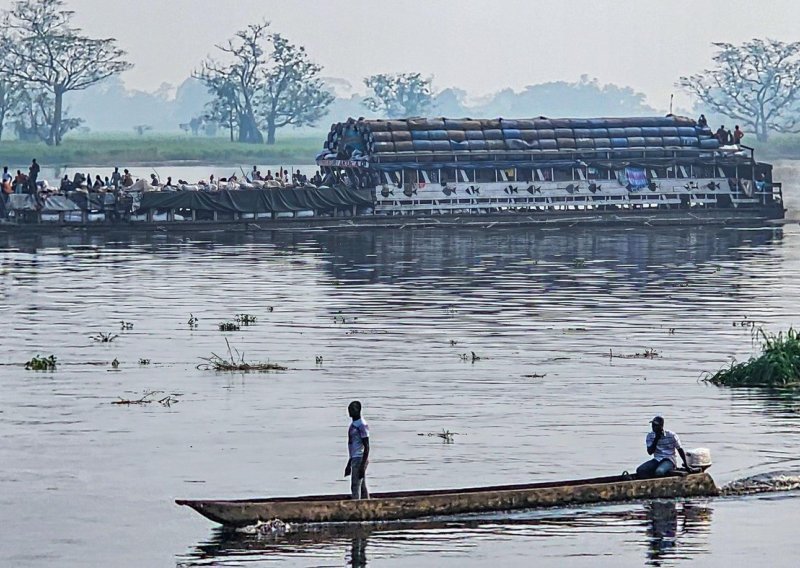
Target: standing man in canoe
[662, 445]
[358, 452]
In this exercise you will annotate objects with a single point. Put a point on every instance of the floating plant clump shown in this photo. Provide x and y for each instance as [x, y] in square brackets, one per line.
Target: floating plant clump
[777, 366]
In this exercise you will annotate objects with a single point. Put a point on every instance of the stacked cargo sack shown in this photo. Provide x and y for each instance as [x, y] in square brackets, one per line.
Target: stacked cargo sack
[426, 139]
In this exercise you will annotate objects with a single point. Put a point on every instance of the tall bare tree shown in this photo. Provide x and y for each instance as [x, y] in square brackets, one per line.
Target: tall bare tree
[756, 83]
[399, 95]
[266, 82]
[10, 99]
[235, 84]
[293, 92]
[47, 53]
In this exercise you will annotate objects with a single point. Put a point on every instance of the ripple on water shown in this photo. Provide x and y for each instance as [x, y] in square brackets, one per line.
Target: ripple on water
[518, 299]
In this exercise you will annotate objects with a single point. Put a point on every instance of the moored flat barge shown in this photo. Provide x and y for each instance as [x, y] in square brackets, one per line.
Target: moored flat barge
[440, 171]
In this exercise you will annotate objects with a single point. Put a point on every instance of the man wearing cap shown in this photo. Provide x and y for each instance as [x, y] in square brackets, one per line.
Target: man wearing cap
[662, 445]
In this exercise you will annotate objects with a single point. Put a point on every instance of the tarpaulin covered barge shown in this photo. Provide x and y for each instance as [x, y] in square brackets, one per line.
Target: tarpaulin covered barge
[440, 171]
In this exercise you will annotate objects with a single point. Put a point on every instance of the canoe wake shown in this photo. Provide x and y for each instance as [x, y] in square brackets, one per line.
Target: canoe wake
[275, 527]
[763, 483]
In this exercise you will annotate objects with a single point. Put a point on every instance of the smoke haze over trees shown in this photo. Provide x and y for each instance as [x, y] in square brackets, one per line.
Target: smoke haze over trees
[54, 78]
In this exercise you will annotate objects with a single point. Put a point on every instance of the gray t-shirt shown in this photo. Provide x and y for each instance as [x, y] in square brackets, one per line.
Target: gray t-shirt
[355, 434]
[667, 446]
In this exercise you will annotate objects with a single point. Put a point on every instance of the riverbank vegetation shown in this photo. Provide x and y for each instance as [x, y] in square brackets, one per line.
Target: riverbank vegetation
[123, 150]
[777, 366]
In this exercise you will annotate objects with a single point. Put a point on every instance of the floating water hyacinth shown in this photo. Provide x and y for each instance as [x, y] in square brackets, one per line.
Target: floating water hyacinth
[41, 364]
[777, 366]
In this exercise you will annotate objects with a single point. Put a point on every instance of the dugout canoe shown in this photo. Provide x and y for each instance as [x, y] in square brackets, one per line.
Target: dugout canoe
[419, 504]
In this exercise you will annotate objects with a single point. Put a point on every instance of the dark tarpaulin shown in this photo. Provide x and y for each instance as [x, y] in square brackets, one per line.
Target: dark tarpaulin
[258, 200]
[92, 201]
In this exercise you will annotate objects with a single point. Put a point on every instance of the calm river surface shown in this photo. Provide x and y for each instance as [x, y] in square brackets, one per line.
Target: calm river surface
[84, 482]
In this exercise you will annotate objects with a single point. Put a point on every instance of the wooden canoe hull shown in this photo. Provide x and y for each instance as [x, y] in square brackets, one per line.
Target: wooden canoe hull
[412, 505]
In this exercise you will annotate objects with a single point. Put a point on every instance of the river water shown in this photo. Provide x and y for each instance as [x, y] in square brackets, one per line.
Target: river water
[84, 482]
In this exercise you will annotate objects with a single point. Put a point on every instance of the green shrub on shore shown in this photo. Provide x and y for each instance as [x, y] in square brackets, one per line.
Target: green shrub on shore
[777, 366]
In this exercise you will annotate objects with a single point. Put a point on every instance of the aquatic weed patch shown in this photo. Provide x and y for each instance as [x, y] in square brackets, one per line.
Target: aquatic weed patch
[236, 362]
[777, 366]
[42, 363]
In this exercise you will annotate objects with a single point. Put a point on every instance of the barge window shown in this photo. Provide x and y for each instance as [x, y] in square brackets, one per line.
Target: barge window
[525, 174]
[449, 175]
[424, 177]
[433, 175]
[392, 178]
[485, 176]
[682, 172]
[581, 174]
[502, 175]
[410, 176]
[562, 175]
[467, 176]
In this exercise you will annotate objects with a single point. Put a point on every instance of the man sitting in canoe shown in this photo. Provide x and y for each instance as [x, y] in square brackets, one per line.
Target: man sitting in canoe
[358, 450]
[662, 445]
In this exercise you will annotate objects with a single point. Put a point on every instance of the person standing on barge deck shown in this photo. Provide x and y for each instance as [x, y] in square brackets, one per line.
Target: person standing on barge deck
[662, 445]
[358, 452]
[737, 135]
[33, 176]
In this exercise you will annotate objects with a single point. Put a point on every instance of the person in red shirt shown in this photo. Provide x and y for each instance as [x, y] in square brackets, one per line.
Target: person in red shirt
[737, 135]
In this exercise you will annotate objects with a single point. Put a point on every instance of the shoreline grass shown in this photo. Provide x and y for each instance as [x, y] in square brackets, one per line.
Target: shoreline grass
[112, 150]
[778, 365]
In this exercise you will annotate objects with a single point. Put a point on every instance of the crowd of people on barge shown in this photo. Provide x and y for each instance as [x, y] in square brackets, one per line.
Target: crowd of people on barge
[126, 181]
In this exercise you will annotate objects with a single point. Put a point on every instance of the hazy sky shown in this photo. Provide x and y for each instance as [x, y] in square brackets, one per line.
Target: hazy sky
[479, 45]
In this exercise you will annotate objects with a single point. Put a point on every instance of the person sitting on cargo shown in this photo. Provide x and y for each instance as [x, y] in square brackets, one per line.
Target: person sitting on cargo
[154, 180]
[127, 179]
[168, 185]
[662, 445]
[255, 175]
[20, 182]
[737, 135]
[98, 183]
[269, 177]
[702, 122]
[358, 452]
[722, 135]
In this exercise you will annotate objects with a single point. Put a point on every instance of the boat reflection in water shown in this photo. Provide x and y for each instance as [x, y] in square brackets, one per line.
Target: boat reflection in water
[668, 523]
[667, 531]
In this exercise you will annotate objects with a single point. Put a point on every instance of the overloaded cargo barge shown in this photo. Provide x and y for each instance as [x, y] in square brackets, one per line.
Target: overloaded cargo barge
[440, 171]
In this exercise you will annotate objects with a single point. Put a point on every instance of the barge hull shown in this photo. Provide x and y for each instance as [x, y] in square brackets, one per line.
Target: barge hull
[646, 218]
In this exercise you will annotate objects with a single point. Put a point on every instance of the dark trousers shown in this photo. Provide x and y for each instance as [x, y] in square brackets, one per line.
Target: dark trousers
[358, 485]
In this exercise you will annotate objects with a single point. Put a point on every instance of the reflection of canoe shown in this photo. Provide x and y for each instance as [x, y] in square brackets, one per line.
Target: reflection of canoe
[416, 504]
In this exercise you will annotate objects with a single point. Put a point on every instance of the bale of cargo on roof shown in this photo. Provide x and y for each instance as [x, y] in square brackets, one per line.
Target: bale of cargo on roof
[418, 139]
